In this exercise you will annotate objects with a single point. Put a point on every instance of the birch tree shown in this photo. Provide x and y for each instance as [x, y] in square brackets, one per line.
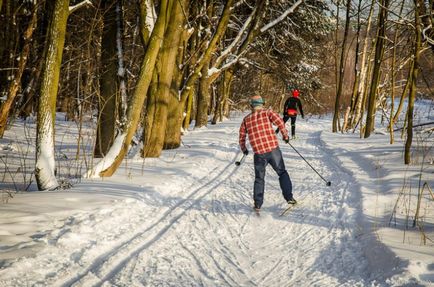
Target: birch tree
[362, 76]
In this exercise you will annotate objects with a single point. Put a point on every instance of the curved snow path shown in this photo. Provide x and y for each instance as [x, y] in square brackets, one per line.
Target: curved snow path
[206, 233]
[212, 238]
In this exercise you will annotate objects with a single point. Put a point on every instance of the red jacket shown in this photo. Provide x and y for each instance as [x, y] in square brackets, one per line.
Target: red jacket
[292, 104]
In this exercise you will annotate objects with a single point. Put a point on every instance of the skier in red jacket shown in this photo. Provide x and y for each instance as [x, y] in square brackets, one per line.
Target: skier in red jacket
[258, 127]
[290, 110]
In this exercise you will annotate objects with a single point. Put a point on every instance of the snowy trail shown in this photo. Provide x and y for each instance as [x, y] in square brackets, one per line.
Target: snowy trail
[198, 227]
[217, 240]
[109, 264]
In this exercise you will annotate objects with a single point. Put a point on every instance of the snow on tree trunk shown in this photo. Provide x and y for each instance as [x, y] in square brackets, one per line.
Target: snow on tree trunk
[109, 93]
[45, 163]
[123, 140]
[121, 66]
[109, 158]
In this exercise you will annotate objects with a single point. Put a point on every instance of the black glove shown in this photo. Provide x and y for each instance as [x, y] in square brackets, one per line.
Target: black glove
[246, 152]
[286, 140]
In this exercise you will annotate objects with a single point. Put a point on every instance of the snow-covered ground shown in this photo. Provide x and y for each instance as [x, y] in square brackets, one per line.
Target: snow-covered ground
[186, 219]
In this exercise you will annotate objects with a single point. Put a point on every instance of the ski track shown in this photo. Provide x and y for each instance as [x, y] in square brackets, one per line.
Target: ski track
[231, 252]
[106, 266]
[212, 237]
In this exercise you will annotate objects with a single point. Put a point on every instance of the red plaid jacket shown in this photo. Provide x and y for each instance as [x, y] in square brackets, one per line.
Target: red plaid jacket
[261, 134]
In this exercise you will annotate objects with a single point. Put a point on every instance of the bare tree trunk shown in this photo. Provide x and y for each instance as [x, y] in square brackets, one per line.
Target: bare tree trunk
[379, 51]
[203, 98]
[5, 107]
[151, 106]
[404, 92]
[363, 72]
[341, 70]
[189, 109]
[392, 80]
[224, 92]
[45, 163]
[220, 30]
[108, 165]
[413, 87]
[164, 96]
[174, 122]
[108, 100]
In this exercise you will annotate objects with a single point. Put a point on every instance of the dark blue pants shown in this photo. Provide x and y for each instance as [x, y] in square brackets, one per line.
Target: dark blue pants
[275, 159]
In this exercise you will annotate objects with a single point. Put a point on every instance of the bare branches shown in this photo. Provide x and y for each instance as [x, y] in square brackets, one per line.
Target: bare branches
[74, 8]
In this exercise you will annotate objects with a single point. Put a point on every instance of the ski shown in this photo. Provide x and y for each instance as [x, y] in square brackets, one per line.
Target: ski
[291, 206]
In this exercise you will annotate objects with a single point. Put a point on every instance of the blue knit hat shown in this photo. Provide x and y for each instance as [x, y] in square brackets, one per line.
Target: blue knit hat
[256, 101]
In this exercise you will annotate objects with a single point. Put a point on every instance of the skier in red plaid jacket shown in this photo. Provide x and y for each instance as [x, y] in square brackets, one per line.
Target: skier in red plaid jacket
[257, 126]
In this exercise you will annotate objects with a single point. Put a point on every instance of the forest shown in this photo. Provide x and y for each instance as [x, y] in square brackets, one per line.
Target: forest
[142, 73]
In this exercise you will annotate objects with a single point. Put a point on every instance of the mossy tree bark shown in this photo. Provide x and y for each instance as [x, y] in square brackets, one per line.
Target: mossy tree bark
[45, 163]
[157, 130]
[109, 164]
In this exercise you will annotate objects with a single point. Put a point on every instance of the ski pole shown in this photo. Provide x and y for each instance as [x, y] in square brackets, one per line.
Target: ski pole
[237, 163]
[328, 183]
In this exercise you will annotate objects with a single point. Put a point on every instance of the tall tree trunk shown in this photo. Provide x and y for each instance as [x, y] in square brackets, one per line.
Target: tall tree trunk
[404, 92]
[5, 107]
[355, 95]
[363, 72]
[45, 163]
[203, 98]
[109, 89]
[413, 87]
[157, 132]
[379, 51]
[174, 121]
[176, 105]
[151, 106]
[336, 114]
[365, 92]
[224, 92]
[108, 165]
[393, 78]
[188, 109]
